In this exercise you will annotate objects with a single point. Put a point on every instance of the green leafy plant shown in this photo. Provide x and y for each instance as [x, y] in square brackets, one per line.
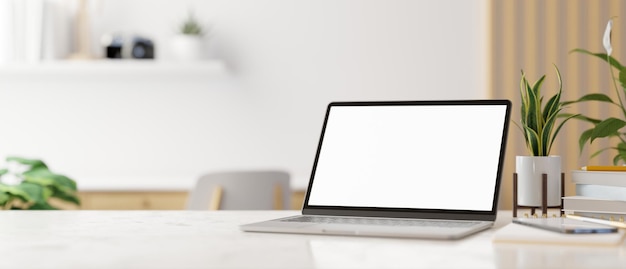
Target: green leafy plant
[191, 26]
[29, 184]
[538, 120]
[606, 128]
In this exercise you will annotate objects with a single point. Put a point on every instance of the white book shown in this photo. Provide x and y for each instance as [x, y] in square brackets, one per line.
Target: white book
[598, 215]
[588, 204]
[601, 191]
[599, 178]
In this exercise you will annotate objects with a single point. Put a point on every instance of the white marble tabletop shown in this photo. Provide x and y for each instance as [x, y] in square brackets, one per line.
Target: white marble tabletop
[212, 239]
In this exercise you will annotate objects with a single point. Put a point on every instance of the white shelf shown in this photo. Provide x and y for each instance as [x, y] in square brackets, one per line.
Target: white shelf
[122, 183]
[138, 68]
[139, 183]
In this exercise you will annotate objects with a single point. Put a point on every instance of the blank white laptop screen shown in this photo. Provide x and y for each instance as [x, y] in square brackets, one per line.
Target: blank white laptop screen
[423, 157]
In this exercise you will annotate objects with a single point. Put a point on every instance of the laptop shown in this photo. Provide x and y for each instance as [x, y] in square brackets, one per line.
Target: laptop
[410, 169]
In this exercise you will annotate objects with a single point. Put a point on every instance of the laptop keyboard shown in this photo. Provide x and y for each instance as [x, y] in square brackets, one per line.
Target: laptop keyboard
[384, 222]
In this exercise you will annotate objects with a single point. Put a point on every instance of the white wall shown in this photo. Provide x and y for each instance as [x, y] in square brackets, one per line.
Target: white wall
[287, 60]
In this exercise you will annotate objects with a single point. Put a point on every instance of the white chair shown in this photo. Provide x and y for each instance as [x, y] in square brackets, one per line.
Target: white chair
[241, 190]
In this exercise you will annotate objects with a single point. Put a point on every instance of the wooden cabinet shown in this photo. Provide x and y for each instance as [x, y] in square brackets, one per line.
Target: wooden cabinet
[133, 200]
[147, 200]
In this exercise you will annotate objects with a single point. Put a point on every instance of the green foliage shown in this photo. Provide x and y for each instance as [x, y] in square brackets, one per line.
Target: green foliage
[606, 128]
[38, 184]
[538, 120]
[191, 26]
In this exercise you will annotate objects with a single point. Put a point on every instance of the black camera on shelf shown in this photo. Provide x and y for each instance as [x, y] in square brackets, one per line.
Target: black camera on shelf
[142, 48]
[117, 47]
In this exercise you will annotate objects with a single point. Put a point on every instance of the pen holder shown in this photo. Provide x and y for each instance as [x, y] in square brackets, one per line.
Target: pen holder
[544, 196]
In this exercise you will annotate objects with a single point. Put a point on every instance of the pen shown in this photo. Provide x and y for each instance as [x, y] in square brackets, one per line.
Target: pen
[599, 221]
[603, 168]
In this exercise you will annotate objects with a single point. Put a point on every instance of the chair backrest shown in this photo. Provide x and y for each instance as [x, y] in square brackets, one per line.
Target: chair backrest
[241, 190]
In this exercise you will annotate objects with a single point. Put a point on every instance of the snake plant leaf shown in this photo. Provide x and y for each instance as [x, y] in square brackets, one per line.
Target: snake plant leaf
[533, 142]
[537, 87]
[552, 107]
[608, 127]
[546, 132]
[602, 56]
[601, 97]
[533, 118]
[34, 164]
[524, 97]
[554, 104]
[558, 129]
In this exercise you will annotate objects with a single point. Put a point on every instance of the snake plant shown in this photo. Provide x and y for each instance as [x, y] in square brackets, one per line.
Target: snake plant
[538, 121]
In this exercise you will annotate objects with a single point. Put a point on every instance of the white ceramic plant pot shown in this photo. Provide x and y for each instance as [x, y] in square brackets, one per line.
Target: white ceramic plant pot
[529, 170]
[187, 48]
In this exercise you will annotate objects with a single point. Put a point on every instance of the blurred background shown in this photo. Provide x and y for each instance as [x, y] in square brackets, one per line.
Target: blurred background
[254, 99]
[135, 99]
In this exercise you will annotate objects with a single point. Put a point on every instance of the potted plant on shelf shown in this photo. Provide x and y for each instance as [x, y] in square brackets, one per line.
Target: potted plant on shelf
[538, 124]
[607, 128]
[188, 43]
[29, 184]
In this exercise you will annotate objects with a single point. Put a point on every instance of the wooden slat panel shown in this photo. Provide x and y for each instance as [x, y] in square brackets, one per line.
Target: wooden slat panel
[133, 200]
[534, 34]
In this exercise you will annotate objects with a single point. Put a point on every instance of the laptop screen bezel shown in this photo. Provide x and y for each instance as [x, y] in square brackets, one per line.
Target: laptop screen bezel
[412, 212]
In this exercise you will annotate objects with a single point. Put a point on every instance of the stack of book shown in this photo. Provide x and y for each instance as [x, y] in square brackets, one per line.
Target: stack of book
[600, 193]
